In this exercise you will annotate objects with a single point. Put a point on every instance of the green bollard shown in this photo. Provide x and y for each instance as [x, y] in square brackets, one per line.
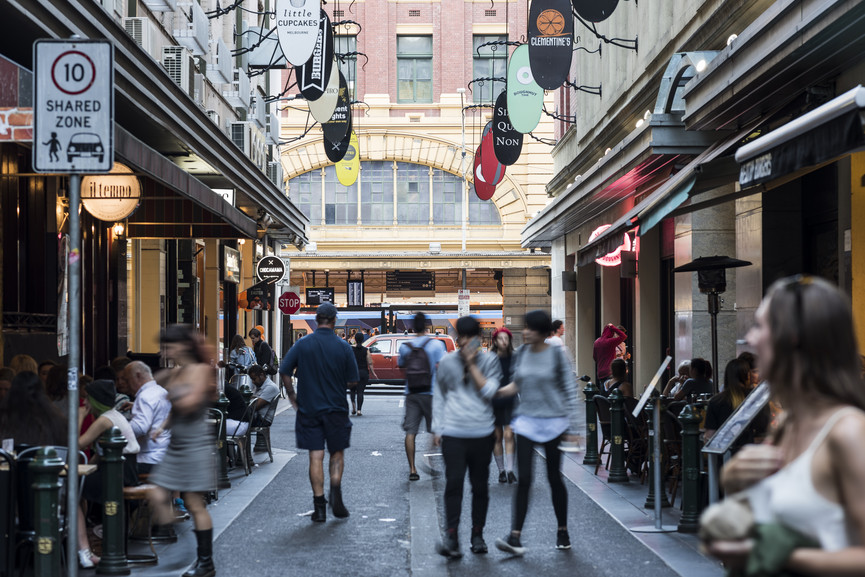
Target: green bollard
[618, 472]
[650, 499]
[591, 457]
[46, 467]
[690, 520]
[222, 480]
[113, 513]
[245, 392]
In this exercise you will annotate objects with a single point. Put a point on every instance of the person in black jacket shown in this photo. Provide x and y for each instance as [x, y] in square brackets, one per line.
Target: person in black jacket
[263, 352]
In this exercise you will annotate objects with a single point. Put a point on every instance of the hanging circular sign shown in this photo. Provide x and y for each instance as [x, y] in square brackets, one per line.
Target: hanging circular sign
[297, 25]
[525, 97]
[611, 258]
[507, 142]
[492, 170]
[113, 196]
[595, 10]
[551, 33]
[348, 168]
[313, 75]
[323, 107]
[484, 190]
[339, 124]
[270, 269]
[336, 151]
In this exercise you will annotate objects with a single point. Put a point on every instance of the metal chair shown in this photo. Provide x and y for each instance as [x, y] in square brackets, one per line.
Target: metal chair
[602, 408]
[240, 443]
[264, 430]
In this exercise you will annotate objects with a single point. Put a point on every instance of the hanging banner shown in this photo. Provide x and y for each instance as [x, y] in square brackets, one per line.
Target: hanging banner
[525, 97]
[595, 10]
[492, 170]
[348, 168]
[336, 151]
[322, 108]
[313, 75]
[484, 190]
[297, 25]
[507, 142]
[551, 33]
[338, 126]
[258, 297]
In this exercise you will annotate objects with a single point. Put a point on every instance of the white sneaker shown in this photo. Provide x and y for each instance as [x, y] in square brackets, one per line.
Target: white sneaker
[84, 559]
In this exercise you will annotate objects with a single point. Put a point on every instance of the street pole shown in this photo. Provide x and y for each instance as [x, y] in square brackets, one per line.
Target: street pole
[462, 92]
[72, 373]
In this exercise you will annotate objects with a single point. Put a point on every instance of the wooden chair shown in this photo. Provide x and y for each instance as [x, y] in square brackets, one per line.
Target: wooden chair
[140, 494]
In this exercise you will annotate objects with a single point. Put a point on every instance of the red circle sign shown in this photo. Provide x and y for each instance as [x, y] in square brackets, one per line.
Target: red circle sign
[289, 303]
[73, 72]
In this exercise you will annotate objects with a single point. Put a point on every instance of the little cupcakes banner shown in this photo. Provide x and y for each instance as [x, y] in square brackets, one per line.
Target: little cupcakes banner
[297, 26]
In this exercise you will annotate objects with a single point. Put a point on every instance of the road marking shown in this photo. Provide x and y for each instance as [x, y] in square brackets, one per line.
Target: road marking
[425, 562]
[401, 403]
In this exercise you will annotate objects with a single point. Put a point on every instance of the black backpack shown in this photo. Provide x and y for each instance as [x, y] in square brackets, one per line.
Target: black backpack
[418, 374]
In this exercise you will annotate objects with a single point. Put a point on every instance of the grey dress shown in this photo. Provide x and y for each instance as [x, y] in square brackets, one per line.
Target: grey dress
[189, 463]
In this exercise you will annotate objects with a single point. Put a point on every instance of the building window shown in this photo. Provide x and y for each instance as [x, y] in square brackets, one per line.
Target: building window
[340, 202]
[347, 64]
[414, 68]
[490, 62]
[412, 193]
[482, 211]
[305, 190]
[447, 198]
[376, 193]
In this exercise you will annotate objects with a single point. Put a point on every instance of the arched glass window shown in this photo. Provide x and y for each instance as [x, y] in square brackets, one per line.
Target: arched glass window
[340, 202]
[412, 193]
[305, 191]
[376, 192]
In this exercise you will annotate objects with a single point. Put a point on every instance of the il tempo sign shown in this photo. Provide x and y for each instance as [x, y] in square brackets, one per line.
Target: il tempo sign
[73, 106]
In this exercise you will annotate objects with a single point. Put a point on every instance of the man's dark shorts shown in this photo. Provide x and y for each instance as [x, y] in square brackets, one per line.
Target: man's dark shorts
[311, 433]
[417, 406]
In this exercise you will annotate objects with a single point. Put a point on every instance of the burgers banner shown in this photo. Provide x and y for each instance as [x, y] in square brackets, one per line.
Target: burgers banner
[313, 76]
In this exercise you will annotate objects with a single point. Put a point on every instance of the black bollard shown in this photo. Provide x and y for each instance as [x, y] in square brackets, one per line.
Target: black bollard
[222, 480]
[245, 392]
[113, 513]
[618, 472]
[591, 457]
[650, 499]
[690, 520]
[46, 467]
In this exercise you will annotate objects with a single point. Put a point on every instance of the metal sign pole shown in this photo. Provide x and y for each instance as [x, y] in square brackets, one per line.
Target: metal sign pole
[72, 374]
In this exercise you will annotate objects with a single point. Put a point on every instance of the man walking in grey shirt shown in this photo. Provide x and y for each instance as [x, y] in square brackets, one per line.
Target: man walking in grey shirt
[463, 424]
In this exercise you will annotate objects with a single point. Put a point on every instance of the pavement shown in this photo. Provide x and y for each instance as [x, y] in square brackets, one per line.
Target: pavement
[262, 526]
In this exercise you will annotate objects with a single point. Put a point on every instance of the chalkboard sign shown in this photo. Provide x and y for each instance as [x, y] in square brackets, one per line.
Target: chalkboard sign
[402, 281]
[316, 296]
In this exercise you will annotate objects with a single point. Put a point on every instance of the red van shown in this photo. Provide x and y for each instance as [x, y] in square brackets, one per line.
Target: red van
[385, 354]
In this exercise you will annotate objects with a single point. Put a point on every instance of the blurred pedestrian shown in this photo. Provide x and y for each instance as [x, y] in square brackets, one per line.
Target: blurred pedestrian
[463, 425]
[545, 415]
[604, 350]
[325, 367]
[365, 369]
[808, 482]
[418, 359]
[189, 463]
[503, 408]
[556, 334]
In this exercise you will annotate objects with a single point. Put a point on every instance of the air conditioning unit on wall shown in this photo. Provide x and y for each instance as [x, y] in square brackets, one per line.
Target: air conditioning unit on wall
[192, 28]
[177, 61]
[274, 173]
[143, 32]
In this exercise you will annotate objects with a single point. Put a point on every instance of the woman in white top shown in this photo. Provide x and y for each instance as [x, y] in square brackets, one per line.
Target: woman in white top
[810, 478]
[99, 401]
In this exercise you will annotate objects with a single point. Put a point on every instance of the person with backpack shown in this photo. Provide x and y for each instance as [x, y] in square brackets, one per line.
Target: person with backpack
[418, 359]
[264, 356]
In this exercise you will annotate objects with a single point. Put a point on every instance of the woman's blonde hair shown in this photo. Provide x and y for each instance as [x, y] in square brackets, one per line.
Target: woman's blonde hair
[21, 363]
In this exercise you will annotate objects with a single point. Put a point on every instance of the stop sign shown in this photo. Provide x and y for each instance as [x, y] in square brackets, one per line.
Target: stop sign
[289, 303]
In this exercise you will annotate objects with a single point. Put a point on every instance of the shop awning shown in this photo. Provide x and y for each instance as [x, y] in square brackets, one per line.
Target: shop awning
[832, 130]
[705, 172]
[174, 203]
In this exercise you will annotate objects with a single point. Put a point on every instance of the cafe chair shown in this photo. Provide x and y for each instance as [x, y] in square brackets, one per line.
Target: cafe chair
[602, 408]
[637, 440]
[139, 495]
[239, 445]
[264, 430]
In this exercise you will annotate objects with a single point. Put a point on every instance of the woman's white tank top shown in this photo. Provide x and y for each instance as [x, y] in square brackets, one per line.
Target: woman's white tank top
[788, 497]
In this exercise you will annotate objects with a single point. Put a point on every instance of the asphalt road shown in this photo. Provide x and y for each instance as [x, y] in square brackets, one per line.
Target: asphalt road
[393, 528]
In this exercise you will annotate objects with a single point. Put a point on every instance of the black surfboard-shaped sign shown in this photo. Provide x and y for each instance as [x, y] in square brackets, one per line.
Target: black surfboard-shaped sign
[595, 10]
[336, 151]
[312, 77]
[551, 36]
[507, 142]
[339, 124]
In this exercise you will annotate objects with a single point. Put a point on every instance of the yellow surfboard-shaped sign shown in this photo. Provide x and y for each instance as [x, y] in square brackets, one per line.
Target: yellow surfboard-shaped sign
[348, 168]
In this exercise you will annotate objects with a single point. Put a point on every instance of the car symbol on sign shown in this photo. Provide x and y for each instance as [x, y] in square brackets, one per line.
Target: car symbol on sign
[85, 144]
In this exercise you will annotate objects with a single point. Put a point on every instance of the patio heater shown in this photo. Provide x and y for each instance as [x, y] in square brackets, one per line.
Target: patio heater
[712, 281]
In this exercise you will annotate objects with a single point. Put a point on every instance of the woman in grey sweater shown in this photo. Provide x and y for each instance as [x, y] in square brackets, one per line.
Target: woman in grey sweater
[546, 414]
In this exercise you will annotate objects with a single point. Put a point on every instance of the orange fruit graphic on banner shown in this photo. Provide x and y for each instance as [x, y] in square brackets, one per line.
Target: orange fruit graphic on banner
[551, 22]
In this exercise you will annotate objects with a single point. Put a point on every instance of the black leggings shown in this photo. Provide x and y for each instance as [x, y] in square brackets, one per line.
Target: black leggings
[357, 390]
[473, 455]
[525, 456]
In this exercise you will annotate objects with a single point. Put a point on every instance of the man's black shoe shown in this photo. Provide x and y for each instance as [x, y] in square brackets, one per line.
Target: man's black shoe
[503, 477]
[511, 477]
[319, 513]
[478, 544]
[449, 546]
[336, 504]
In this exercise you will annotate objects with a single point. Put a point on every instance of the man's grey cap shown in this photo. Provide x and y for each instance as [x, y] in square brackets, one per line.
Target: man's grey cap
[326, 311]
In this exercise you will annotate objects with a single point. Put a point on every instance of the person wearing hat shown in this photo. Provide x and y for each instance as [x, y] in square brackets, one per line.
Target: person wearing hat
[503, 408]
[324, 365]
[99, 402]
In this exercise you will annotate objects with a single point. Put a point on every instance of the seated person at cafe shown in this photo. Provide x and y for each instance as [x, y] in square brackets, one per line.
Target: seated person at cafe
[265, 392]
[149, 412]
[618, 379]
[699, 382]
[682, 375]
[736, 388]
[28, 416]
[234, 424]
